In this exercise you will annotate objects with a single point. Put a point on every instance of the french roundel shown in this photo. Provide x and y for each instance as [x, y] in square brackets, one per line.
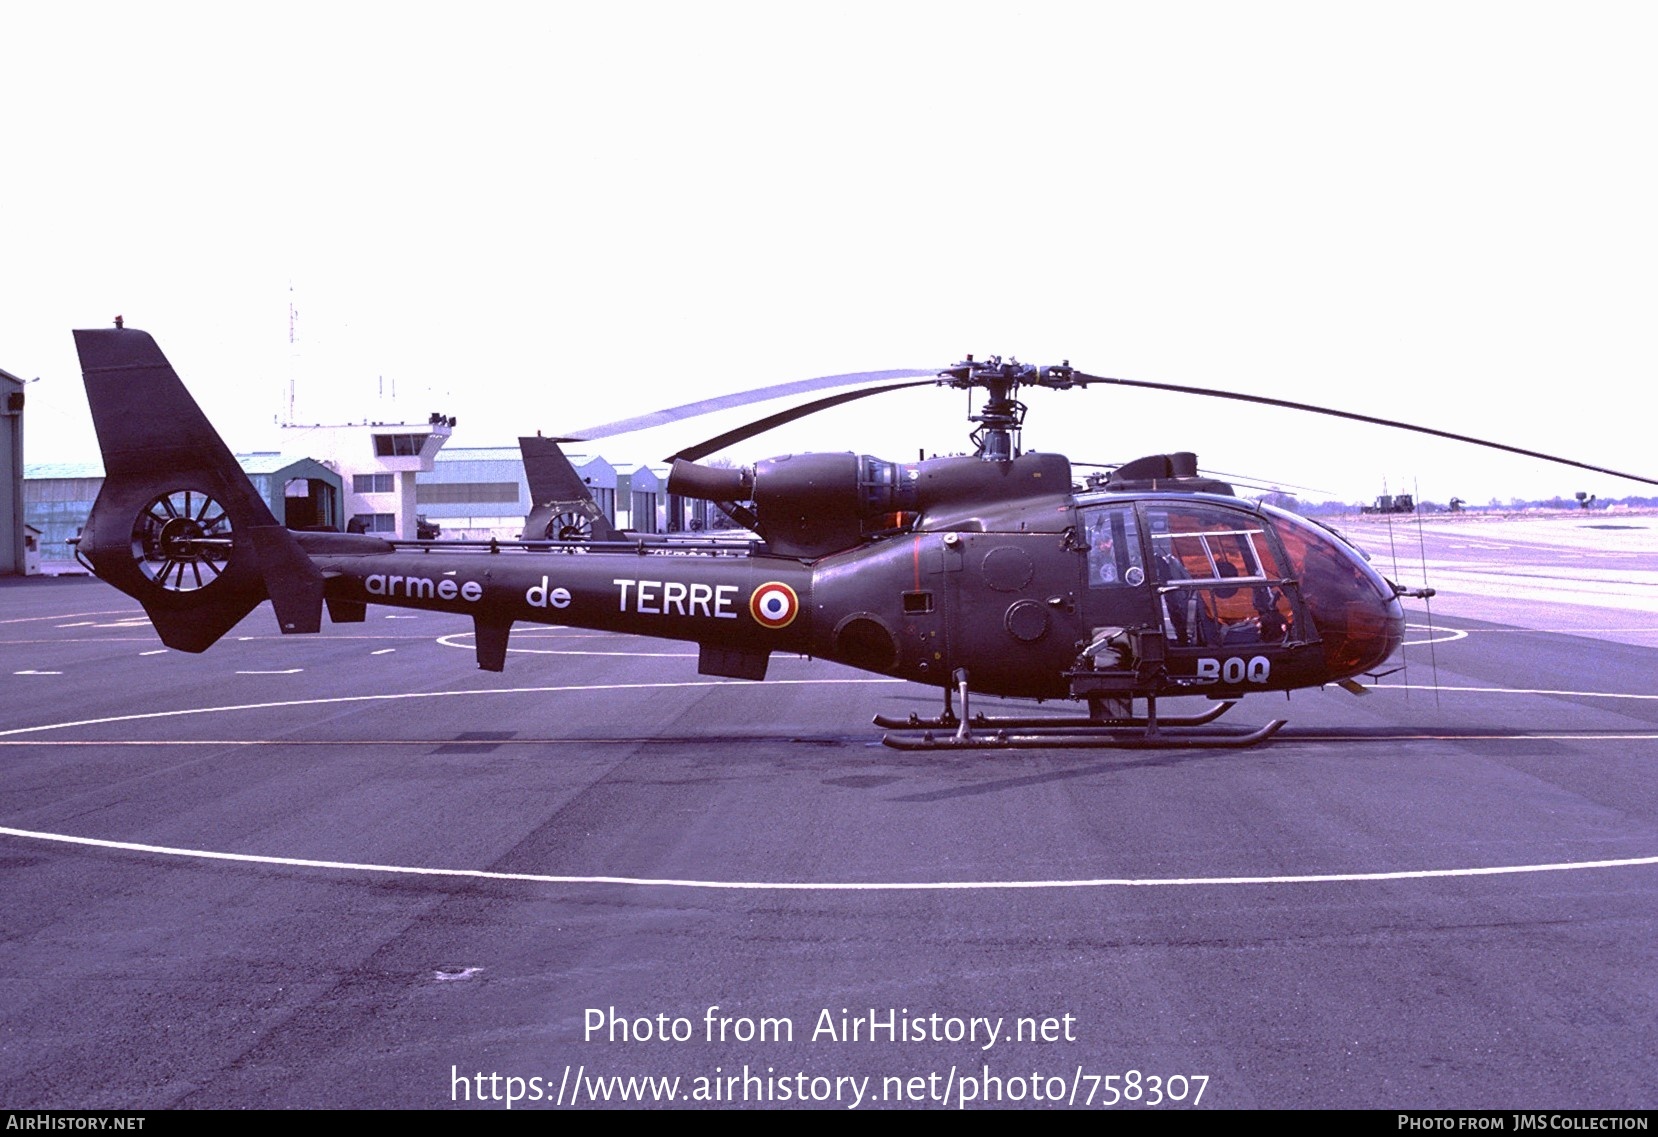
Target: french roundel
[774, 605]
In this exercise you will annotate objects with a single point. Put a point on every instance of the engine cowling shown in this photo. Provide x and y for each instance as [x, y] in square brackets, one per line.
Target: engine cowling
[810, 505]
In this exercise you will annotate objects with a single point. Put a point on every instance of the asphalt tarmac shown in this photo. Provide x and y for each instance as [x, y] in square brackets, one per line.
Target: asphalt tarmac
[351, 870]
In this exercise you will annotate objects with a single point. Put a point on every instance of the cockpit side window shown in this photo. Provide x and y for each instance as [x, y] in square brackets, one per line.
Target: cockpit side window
[1114, 554]
[1221, 576]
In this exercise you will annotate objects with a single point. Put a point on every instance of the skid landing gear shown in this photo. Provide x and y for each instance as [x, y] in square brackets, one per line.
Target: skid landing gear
[1109, 725]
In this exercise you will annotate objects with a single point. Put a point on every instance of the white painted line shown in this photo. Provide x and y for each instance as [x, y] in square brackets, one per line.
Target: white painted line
[1647, 630]
[1618, 737]
[157, 651]
[402, 617]
[66, 616]
[832, 886]
[37, 673]
[1509, 691]
[79, 624]
[289, 671]
[383, 651]
[80, 640]
[338, 699]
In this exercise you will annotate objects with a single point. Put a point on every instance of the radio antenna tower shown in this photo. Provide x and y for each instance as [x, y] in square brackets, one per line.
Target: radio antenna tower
[293, 355]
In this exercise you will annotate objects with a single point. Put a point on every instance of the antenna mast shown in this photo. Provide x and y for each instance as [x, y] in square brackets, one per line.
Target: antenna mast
[293, 354]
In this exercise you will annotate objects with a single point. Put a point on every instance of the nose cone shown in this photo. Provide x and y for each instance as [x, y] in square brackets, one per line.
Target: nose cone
[1357, 615]
[1355, 612]
[1366, 635]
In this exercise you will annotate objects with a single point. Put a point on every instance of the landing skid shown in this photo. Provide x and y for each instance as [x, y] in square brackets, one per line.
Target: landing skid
[1081, 739]
[982, 721]
[1102, 729]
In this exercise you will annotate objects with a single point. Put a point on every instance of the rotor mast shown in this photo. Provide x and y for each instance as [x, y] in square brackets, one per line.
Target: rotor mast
[1002, 419]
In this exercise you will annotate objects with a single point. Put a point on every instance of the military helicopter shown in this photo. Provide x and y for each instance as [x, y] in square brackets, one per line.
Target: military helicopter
[982, 574]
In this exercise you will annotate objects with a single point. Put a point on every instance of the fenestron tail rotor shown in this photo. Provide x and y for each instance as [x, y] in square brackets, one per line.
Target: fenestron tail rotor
[183, 540]
[570, 525]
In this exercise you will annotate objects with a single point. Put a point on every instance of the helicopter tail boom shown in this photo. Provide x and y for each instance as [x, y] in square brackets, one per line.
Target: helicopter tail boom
[177, 525]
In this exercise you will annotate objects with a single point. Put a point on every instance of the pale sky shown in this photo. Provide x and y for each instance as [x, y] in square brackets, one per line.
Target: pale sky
[542, 216]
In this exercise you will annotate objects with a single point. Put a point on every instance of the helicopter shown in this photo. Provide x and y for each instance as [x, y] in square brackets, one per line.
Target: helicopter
[987, 574]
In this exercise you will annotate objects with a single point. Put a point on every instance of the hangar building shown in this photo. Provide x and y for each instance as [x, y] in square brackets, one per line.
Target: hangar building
[14, 538]
[479, 492]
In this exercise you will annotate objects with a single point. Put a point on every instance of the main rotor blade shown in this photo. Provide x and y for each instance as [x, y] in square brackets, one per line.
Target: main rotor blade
[735, 399]
[760, 426]
[1372, 419]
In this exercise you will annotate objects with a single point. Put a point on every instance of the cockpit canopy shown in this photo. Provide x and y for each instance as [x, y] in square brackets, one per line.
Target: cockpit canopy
[1226, 574]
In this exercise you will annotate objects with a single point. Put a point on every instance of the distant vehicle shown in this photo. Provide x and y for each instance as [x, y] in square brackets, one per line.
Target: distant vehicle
[427, 530]
[1391, 503]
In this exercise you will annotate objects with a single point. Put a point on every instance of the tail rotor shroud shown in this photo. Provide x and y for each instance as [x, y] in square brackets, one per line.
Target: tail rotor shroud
[183, 540]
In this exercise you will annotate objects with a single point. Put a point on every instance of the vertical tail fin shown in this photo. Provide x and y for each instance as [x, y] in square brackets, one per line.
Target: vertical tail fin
[561, 506]
[178, 526]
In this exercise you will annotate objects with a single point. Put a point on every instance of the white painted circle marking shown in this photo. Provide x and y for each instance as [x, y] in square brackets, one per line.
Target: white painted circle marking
[1436, 635]
[335, 700]
[758, 886]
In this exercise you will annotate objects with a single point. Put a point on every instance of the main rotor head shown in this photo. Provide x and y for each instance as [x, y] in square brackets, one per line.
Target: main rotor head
[996, 439]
